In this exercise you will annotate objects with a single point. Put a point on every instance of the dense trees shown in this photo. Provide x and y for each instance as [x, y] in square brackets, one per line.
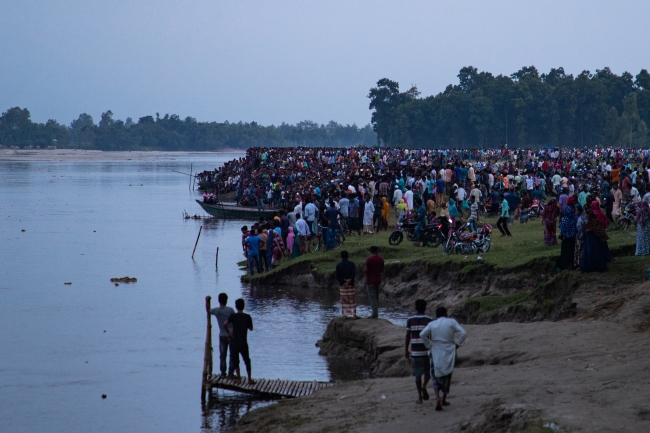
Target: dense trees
[171, 133]
[525, 109]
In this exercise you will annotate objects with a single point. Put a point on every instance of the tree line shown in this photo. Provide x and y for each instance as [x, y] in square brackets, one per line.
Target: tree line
[171, 133]
[526, 109]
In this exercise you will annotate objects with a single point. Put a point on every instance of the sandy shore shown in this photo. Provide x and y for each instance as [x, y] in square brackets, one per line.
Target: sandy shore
[579, 375]
[98, 155]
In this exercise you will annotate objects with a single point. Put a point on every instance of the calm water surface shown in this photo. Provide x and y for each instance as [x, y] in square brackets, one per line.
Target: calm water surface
[63, 346]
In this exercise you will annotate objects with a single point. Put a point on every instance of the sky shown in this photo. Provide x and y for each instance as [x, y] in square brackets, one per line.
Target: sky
[280, 61]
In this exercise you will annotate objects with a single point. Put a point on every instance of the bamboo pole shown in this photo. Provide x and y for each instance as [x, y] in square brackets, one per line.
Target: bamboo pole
[216, 260]
[189, 187]
[197, 241]
[207, 353]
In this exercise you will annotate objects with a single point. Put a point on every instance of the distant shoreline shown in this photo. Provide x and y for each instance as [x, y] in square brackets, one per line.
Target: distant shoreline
[66, 155]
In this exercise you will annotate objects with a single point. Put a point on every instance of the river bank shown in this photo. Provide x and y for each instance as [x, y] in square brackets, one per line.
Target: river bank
[584, 374]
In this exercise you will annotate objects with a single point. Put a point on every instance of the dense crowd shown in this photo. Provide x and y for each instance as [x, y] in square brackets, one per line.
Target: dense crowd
[354, 189]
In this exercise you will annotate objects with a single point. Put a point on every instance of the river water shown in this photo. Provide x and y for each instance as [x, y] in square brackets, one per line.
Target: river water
[63, 346]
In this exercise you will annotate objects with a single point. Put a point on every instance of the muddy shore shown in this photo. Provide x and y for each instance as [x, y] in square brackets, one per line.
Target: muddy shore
[569, 351]
[586, 374]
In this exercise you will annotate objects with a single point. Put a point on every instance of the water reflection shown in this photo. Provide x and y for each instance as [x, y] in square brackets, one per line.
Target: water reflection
[87, 226]
[223, 410]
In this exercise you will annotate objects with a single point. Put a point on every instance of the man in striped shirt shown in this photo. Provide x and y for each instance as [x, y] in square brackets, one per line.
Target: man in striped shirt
[419, 354]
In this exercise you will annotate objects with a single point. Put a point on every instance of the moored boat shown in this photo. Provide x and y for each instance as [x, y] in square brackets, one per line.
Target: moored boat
[222, 210]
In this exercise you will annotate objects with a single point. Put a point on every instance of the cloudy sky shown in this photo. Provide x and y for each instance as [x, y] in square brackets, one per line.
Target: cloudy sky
[284, 61]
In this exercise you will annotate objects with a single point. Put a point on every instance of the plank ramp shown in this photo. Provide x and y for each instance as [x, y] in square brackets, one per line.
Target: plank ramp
[270, 388]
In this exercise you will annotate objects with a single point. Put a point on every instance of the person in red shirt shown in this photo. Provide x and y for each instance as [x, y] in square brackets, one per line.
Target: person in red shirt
[373, 269]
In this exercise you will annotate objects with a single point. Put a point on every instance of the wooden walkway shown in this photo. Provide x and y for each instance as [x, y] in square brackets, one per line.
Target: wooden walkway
[271, 388]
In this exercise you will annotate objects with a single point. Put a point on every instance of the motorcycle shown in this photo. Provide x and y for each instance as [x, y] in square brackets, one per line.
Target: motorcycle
[462, 242]
[628, 216]
[403, 225]
[535, 210]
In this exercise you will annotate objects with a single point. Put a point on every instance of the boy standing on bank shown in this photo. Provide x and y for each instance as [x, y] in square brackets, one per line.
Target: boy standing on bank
[419, 354]
[241, 324]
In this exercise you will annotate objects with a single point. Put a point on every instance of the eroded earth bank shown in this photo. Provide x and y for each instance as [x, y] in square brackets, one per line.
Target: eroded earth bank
[567, 351]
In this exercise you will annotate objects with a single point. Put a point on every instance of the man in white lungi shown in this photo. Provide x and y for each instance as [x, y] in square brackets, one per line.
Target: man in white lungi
[442, 337]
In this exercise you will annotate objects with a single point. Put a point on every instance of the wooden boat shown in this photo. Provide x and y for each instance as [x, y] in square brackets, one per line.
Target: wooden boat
[223, 210]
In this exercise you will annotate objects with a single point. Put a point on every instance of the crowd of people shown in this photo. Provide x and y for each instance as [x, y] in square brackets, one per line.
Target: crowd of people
[324, 190]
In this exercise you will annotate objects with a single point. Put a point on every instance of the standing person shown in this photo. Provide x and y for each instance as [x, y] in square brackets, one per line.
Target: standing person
[368, 213]
[418, 355]
[440, 337]
[526, 203]
[596, 252]
[549, 217]
[332, 214]
[568, 227]
[303, 232]
[254, 243]
[223, 313]
[345, 273]
[353, 220]
[241, 324]
[642, 229]
[373, 268]
[502, 222]
[581, 222]
[384, 213]
[421, 219]
[473, 213]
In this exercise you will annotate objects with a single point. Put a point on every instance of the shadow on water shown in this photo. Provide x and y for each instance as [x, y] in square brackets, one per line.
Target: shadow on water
[224, 409]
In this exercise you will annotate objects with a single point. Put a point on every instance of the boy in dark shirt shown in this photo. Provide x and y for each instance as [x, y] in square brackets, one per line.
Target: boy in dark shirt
[241, 323]
[418, 354]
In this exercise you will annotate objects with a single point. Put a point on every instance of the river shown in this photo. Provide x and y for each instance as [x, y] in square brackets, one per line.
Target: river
[63, 346]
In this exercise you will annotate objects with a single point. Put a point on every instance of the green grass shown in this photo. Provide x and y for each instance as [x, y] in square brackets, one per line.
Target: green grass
[524, 251]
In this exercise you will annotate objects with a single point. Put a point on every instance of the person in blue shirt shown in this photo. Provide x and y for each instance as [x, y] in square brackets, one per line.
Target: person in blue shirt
[421, 218]
[332, 214]
[254, 243]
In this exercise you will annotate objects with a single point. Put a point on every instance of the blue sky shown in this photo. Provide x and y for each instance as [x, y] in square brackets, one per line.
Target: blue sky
[285, 61]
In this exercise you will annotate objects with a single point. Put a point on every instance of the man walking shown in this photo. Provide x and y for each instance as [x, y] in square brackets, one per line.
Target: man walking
[418, 355]
[373, 268]
[222, 313]
[440, 337]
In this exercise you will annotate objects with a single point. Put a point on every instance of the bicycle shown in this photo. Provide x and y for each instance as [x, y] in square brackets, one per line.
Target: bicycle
[317, 241]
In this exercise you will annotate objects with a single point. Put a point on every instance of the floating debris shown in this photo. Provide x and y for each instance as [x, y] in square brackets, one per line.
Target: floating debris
[68, 283]
[124, 280]
[23, 230]
[103, 395]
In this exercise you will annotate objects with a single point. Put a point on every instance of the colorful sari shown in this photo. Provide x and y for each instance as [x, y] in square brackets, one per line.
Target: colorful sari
[549, 220]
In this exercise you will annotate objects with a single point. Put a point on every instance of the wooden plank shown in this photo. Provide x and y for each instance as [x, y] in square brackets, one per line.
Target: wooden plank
[267, 386]
[303, 389]
[289, 390]
[285, 389]
[283, 386]
[294, 388]
[260, 385]
[299, 392]
[276, 387]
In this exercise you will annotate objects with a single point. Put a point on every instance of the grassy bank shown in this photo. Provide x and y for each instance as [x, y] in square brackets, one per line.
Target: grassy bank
[525, 248]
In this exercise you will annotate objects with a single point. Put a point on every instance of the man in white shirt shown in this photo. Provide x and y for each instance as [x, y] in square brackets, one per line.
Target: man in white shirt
[408, 197]
[439, 337]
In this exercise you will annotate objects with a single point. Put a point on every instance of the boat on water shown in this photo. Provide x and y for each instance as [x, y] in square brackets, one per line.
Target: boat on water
[231, 210]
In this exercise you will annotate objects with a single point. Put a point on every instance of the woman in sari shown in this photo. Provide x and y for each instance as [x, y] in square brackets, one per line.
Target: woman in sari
[642, 229]
[278, 250]
[596, 252]
[581, 222]
[453, 210]
[401, 208]
[290, 239]
[549, 219]
[384, 213]
[568, 227]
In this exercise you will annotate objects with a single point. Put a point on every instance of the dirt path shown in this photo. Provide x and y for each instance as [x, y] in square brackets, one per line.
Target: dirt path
[586, 375]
